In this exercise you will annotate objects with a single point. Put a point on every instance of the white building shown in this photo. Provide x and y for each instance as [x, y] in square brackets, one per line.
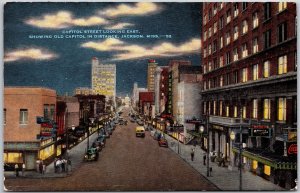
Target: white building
[104, 79]
[135, 94]
[127, 101]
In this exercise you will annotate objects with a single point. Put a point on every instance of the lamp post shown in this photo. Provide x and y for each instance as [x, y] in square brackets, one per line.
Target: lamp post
[201, 132]
[207, 149]
[232, 137]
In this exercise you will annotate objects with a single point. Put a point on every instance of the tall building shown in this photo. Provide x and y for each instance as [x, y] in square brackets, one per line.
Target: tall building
[250, 82]
[103, 79]
[135, 95]
[150, 75]
[83, 91]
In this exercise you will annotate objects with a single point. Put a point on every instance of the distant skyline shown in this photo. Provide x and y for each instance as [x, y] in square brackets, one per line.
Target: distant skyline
[46, 47]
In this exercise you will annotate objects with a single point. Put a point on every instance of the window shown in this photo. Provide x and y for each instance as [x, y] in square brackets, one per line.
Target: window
[244, 51]
[204, 68]
[221, 42]
[204, 85]
[254, 109]
[221, 81]
[255, 20]
[221, 5]
[255, 46]
[209, 66]
[228, 16]
[215, 8]
[236, 33]
[244, 5]
[244, 75]
[267, 10]
[204, 35]
[52, 110]
[215, 46]
[267, 109]
[209, 32]
[235, 77]
[46, 113]
[209, 112]
[4, 116]
[215, 63]
[244, 113]
[282, 64]
[235, 54]
[221, 22]
[227, 79]
[221, 108]
[215, 27]
[209, 14]
[282, 32]
[255, 72]
[235, 114]
[209, 84]
[221, 61]
[215, 107]
[228, 58]
[266, 72]
[204, 108]
[227, 111]
[209, 49]
[236, 10]
[244, 27]
[281, 109]
[227, 38]
[282, 6]
[205, 19]
[267, 39]
[205, 52]
[23, 116]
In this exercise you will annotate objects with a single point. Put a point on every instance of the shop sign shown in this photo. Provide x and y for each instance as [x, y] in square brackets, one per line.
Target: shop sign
[177, 128]
[48, 125]
[218, 127]
[194, 121]
[260, 131]
[292, 149]
[292, 136]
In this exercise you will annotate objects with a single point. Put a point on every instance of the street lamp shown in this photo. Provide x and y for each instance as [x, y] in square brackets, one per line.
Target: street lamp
[201, 132]
[232, 137]
[207, 149]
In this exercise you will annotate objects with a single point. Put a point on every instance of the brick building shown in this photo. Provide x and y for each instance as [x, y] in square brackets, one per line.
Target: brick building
[146, 104]
[249, 66]
[25, 138]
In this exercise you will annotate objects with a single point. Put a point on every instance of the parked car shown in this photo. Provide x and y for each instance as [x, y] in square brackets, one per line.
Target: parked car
[163, 142]
[97, 145]
[91, 155]
[157, 135]
[102, 140]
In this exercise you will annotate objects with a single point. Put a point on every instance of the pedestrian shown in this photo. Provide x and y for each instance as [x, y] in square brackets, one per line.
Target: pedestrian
[37, 165]
[204, 159]
[23, 169]
[63, 164]
[58, 165]
[192, 153]
[17, 170]
[44, 168]
[41, 167]
[55, 166]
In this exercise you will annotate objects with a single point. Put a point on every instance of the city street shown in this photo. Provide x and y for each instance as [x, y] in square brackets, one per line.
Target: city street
[127, 163]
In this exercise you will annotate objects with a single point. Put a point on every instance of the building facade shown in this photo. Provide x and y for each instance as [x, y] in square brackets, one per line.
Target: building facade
[150, 75]
[135, 95]
[83, 91]
[103, 78]
[249, 85]
[29, 128]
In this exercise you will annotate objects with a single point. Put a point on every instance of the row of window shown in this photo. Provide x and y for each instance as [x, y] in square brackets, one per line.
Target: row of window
[221, 109]
[258, 71]
[281, 6]
[282, 35]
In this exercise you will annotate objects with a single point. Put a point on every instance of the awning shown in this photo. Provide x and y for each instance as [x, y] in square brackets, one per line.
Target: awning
[276, 163]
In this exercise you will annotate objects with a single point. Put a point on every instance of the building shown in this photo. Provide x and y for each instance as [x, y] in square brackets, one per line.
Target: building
[146, 104]
[150, 75]
[127, 101]
[163, 84]
[103, 79]
[83, 91]
[29, 127]
[135, 95]
[250, 84]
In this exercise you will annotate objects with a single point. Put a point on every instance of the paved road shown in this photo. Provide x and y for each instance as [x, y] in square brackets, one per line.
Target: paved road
[126, 163]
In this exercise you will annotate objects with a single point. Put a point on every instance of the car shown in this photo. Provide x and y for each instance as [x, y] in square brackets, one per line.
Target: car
[8, 167]
[91, 155]
[163, 142]
[140, 131]
[97, 145]
[157, 135]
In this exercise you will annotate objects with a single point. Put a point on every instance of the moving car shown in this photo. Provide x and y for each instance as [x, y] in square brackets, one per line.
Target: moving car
[140, 131]
[163, 142]
[91, 155]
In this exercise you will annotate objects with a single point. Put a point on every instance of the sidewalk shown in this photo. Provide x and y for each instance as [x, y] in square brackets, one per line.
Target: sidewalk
[222, 177]
[76, 155]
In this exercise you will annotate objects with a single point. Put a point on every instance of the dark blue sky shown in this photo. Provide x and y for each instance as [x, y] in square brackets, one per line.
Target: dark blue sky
[71, 66]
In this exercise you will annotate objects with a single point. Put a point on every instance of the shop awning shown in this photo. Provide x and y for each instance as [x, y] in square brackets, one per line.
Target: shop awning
[269, 159]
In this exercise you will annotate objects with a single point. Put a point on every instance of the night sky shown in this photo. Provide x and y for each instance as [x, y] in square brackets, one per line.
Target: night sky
[64, 64]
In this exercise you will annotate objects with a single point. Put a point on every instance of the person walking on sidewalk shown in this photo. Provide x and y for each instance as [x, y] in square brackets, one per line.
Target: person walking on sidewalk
[17, 170]
[44, 168]
[41, 167]
[23, 169]
[192, 153]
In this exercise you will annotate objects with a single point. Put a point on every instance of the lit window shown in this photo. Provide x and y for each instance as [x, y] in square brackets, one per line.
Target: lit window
[23, 116]
[244, 27]
[267, 109]
[209, 84]
[282, 6]
[209, 66]
[255, 20]
[266, 69]
[254, 110]
[255, 72]
[221, 61]
[255, 45]
[215, 8]
[215, 107]
[235, 54]
[244, 112]
[236, 10]
[209, 32]
[221, 42]
[209, 49]
[235, 111]
[244, 51]
[205, 52]
[204, 68]
[228, 14]
[227, 111]
[244, 75]
[281, 109]
[236, 33]
[282, 64]
[204, 35]
[215, 27]
[221, 81]
[221, 108]
[205, 19]
[221, 5]
[204, 85]
[227, 38]
[209, 107]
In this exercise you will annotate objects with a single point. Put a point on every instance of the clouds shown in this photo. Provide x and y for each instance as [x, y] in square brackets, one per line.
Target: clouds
[64, 19]
[138, 9]
[28, 54]
[131, 51]
[119, 26]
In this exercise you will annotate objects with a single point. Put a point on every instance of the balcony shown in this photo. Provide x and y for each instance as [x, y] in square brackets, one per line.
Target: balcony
[228, 121]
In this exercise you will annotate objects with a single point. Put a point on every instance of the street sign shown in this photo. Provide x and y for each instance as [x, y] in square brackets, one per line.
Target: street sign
[260, 131]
